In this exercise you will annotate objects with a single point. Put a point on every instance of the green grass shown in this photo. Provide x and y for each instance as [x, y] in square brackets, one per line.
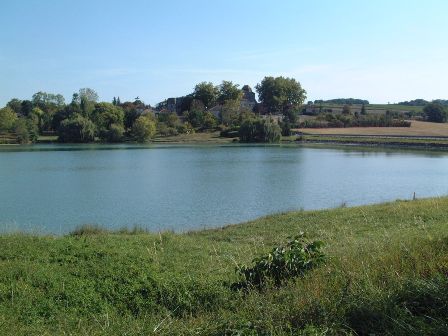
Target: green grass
[366, 140]
[386, 273]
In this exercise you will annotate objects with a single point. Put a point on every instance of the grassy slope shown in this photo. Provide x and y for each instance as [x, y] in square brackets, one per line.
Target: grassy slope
[386, 274]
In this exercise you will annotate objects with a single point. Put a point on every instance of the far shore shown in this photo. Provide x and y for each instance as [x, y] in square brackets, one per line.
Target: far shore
[419, 136]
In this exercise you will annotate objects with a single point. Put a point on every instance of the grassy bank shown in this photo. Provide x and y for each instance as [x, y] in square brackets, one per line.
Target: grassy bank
[384, 141]
[386, 272]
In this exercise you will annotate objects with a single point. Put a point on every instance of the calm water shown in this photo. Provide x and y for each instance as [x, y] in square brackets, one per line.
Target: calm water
[54, 188]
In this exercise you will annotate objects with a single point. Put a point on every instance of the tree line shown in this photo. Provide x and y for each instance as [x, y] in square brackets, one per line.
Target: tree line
[84, 119]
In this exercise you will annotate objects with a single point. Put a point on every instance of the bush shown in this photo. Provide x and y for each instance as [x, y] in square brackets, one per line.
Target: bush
[144, 128]
[283, 263]
[259, 130]
[115, 133]
[21, 130]
[77, 129]
[435, 112]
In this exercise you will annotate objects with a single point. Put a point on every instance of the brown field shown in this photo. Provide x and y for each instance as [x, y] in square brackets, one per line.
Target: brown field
[418, 128]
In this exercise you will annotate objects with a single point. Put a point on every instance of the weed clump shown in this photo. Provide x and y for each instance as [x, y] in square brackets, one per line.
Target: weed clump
[283, 263]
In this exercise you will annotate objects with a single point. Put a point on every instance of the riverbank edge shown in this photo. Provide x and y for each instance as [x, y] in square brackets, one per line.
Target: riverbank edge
[421, 143]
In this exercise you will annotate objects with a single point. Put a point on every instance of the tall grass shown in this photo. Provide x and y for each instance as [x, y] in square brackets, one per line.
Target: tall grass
[386, 273]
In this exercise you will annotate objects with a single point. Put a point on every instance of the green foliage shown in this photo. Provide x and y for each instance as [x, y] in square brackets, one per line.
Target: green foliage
[33, 122]
[259, 130]
[230, 112]
[46, 101]
[16, 105]
[298, 256]
[7, 118]
[207, 93]
[88, 94]
[21, 130]
[285, 125]
[209, 121]
[115, 133]
[342, 101]
[435, 112]
[164, 130]
[130, 114]
[144, 128]
[104, 116]
[77, 129]
[26, 107]
[228, 91]
[280, 94]
[186, 128]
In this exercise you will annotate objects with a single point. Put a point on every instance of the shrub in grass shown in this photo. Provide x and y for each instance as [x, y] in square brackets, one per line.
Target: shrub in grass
[88, 229]
[283, 263]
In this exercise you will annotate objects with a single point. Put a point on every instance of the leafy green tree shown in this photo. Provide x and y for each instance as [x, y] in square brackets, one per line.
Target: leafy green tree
[260, 130]
[115, 133]
[209, 121]
[130, 114]
[86, 99]
[207, 93]
[435, 112]
[21, 130]
[229, 92]
[16, 105]
[144, 128]
[230, 112]
[26, 107]
[89, 94]
[7, 118]
[77, 129]
[285, 125]
[170, 119]
[104, 116]
[66, 113]
[37, 115]
[33, 123]
[44, 100]
[280, 94]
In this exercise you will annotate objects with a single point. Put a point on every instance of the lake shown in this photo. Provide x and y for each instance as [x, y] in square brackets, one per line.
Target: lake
[55, 188]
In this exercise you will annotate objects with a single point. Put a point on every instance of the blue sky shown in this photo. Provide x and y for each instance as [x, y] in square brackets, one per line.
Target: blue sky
[383, 51]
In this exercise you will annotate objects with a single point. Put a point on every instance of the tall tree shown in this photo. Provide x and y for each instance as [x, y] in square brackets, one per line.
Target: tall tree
[144, 128]
[89, 94]
[7, 118]
[229, 92]
[435, 112]
[16, 105]
[207, 93]
[280, 94]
